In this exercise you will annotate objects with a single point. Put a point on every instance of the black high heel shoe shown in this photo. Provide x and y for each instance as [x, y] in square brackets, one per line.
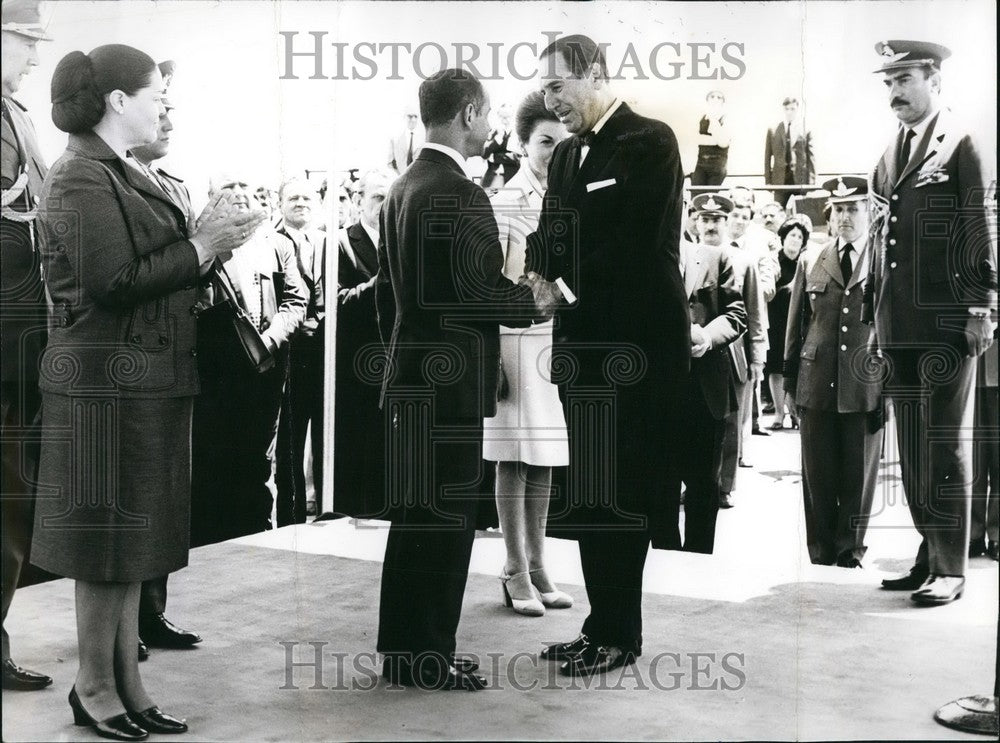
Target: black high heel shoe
[156, 721]
[119, 727]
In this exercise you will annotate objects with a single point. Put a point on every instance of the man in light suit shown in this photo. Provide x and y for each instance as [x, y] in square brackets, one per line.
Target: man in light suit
[22, 315]
[718, 318]
[835, 382]
[236, 414]
[932, 296]
[441, 296]
[608, 237]
[155, 630]
[755, 278]
[302, 406]
[788, 153]
[405, 146]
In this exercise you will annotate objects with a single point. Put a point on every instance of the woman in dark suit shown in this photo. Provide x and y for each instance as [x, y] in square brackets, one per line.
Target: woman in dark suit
[118, 376]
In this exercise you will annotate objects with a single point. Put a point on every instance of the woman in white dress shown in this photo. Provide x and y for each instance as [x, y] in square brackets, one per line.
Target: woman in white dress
[527, 436]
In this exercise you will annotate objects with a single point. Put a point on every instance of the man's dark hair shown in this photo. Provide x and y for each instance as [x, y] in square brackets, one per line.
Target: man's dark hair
[579, 52]
[790, 101]
[447, 92]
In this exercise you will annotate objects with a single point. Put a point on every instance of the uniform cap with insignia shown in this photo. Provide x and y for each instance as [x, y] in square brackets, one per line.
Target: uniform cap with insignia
[712, 205]
[167, 68]
[846, 188]
[898, 54]
[23, 17]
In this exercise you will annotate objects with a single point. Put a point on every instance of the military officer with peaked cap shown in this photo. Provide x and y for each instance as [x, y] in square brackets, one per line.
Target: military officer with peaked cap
[932, 297]
[836, 382]
[22, 312]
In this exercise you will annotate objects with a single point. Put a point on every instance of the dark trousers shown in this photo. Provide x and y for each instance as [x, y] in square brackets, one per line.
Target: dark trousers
[19, 448]
[697, 460]
[736, 426]
[302, 405]
[986, 465]
[612, 563]
[231, 455]
[708, 174]
[435, 467]
[933, 409]
[840, 457]
[153, 597]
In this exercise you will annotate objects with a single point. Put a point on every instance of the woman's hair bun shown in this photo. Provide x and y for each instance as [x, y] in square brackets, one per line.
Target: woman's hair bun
[81, 81]
[77, 104]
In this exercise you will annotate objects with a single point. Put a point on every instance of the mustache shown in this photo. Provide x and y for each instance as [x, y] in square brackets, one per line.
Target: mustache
[899, 102]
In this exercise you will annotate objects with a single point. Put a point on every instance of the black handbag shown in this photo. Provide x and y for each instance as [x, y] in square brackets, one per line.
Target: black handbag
[227, 333]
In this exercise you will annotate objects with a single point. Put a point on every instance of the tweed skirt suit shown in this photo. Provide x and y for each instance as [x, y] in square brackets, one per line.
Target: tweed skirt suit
[119, 375]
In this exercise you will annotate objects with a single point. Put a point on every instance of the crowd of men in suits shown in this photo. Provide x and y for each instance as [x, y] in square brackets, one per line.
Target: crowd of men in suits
[662, 335]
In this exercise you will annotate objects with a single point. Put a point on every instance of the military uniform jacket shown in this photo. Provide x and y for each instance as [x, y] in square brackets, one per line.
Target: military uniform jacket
[828, 365]
[23, 310]
[122, 277]
[934, 256]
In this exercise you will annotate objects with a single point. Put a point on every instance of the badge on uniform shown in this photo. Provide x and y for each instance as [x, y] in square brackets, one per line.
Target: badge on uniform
[931, 176]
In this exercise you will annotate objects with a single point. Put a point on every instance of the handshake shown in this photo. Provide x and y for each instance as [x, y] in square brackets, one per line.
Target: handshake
[546, 293]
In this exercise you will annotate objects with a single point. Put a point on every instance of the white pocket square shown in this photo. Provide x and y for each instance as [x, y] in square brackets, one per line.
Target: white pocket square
[601, 184]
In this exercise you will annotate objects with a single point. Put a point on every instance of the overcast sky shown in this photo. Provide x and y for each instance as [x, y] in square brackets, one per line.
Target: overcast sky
[235, 113]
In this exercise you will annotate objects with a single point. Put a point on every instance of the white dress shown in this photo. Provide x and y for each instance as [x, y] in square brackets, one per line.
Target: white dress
[529, 425]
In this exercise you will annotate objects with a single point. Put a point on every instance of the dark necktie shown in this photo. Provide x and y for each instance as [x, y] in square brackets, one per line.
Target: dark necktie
[846, 269]
[788, 144]
[409, 151]
[904, 151]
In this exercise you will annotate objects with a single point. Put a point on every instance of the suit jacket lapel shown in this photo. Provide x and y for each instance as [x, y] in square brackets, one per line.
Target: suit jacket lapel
[363, 249]
[604, 147]
[830, 263]
[694, 277]
[140, 182]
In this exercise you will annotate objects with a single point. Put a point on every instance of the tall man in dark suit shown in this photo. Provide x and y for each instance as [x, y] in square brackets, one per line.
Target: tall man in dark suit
[155, 629]
[718, 318]
[22, 315]
[441, 297]
[359, 435]
[788, 152]
[302, 405]
[608, 237]
[933, 300]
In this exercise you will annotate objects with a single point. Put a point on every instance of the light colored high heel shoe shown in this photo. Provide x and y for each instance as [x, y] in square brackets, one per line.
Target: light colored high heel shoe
[552, 599]
[528, 607]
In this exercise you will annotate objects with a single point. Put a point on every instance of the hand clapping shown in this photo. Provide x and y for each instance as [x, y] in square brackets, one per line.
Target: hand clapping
[224, 226]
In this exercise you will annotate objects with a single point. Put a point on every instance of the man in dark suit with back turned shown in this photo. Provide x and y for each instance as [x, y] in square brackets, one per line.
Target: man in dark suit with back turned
[155, 630]
[441, 296]
[932, 296]
[22, 315]
[608, 237]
